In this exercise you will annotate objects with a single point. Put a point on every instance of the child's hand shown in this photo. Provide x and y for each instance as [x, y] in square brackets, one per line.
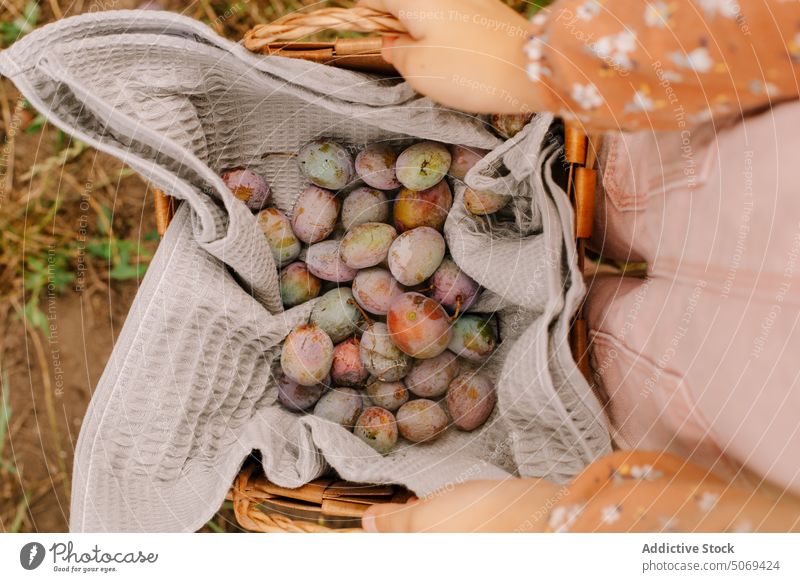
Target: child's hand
[513, 505]
[466, 54]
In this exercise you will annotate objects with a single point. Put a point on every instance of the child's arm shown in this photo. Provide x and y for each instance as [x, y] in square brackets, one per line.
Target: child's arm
[627, 491]
[467, 54]
[611, 64]
[513, 505]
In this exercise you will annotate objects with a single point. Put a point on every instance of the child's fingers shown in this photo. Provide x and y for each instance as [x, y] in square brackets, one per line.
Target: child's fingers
[391, 6]
[412, 13]
[420, 65]
[389, 48]
[486, 506]
[401, 50]
[374, 4]
[388, 517]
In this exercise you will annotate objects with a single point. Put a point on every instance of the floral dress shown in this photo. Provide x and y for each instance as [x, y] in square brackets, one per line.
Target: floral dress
[642, 491]
[663, 64]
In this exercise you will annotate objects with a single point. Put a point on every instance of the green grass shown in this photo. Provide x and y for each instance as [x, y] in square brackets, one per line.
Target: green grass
[20, 26]
[5, 416]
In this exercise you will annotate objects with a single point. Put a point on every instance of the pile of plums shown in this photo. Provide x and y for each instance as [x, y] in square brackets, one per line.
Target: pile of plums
[383, 350]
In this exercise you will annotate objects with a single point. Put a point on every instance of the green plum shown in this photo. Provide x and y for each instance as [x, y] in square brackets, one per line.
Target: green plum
[326, 164]
[464, 157]
[367, 245]
[508, 125]
[422, 165]
[484, 202]
[454, 289]
[297, 397]
[340, 405]
[298, 284]
[474, 337]
[280, 237]
[337, 314]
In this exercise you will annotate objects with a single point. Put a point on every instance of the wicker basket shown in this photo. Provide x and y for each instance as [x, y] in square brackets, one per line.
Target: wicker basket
[329, 504]
[324, 505]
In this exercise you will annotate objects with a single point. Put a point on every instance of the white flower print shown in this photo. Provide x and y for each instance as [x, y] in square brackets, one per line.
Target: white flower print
[672, 76]
[616, 48]
[668, 523]
[701, 116]
[725, 8]
[699, 60]
[707, 501]
[534, 50]
[758, 87]
[743, 527]
[587, 96]
[562, 517]
[610, 514]
[641, 102]
[566, 115]
[794, 46]
[587, 10]
[536, 71]
[539, 19]
[657, 14]
[645, 472]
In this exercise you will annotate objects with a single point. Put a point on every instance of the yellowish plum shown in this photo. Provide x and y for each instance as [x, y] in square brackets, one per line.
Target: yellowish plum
[423, 208]
[280, 237]
[367, 245]
[307, 355]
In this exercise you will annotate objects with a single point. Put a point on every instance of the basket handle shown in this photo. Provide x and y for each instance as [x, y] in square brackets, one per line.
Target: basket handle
[300, 24]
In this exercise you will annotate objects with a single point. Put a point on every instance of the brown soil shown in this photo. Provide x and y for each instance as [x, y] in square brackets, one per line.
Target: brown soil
[48, 382]
[40, 446]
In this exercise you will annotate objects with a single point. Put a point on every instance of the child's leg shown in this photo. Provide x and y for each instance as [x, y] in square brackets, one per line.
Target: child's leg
[708, 347]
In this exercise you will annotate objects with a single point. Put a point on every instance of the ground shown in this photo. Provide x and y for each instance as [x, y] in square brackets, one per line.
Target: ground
[77, 231]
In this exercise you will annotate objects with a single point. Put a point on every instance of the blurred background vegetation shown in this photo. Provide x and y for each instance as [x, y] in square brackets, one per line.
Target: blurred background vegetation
[77, 232]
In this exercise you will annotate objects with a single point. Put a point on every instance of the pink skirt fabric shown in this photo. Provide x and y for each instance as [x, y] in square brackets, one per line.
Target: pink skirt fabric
[702, 357]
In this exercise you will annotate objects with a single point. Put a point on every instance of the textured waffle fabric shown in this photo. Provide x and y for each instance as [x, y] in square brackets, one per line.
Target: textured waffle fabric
[189, 390]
